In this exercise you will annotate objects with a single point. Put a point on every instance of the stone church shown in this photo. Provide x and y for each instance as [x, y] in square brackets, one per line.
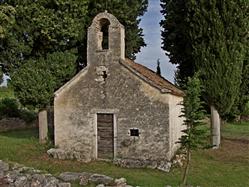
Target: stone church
[115, 108]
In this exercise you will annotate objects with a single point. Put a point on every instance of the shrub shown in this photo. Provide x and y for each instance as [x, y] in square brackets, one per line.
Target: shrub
[9, 107]
[27, 115]
[246, 110]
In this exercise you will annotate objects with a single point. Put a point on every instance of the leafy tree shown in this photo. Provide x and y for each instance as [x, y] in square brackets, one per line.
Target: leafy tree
[194, 136]
[212, 37]
[47, 27]
[7, 20]
[44, 27]
[40, 47]
[35, 81]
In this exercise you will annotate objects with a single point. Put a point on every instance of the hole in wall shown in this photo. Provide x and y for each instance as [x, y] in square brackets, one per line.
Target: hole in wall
[104, 75]
[105, 23]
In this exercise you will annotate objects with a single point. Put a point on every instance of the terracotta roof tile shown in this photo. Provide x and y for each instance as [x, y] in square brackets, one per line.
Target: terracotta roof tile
[149, 75]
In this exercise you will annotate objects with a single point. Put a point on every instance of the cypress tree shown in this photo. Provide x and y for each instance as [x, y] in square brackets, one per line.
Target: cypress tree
[213, 35]
[175, 39]
[158, 69]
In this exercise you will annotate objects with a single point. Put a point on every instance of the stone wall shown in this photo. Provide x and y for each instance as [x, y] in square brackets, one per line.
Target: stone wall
[16, 175]
[107, 86]
[175, 123]
[7, 124]
[122, 94]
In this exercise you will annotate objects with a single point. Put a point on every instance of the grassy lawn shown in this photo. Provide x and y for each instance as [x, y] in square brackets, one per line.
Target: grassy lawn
[228, 166]
[236, 130]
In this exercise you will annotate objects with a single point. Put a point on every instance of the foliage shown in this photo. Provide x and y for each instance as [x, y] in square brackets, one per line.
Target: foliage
[220, 57]
[38, 45]
[158, 69]
[176, 41]
[193, 112]
[6, 92]
[243, 98]
[27, 115]
[210, 37]
[194, 136]
[7, 20]
[9, 107]
[35, 82]
[44, 27]
[246, 109]
[49, 27]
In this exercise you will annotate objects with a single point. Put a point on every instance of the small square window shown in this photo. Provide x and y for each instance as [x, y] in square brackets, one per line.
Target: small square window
[134, 132]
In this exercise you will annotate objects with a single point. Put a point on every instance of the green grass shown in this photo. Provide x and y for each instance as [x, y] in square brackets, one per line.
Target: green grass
[236, 130]
[228, 166]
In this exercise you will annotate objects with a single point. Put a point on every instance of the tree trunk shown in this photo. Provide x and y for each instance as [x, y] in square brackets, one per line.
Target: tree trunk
[186, 169]
[215, 124]
[43, 126]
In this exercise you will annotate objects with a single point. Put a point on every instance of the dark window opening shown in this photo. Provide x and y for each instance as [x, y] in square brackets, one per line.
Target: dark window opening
[134, 132]
[105, 42]
[105, 33]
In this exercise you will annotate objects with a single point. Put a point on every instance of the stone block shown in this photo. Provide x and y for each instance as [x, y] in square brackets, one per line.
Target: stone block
[101, 179]
[43, 126]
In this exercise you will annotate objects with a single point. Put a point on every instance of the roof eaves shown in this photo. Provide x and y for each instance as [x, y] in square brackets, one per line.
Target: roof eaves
[162, 90]
[67, 84]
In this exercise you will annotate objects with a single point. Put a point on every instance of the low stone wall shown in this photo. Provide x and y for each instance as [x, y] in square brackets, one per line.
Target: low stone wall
[162, 165]
[16, 175]
[7, 124]
[244, 118]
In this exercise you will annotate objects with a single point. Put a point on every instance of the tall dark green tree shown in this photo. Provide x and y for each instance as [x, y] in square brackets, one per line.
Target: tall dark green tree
[243, 98]
[212, 35]
[158, 69]
[176, 41]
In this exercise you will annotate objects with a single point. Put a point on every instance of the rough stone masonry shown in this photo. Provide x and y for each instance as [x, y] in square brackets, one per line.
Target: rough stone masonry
[115, 108]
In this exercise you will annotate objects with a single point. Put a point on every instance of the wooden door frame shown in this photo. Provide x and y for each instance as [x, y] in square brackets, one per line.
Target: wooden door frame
[114, 113]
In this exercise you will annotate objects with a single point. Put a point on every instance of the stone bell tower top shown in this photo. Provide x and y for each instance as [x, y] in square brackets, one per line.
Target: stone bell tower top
[106, 37]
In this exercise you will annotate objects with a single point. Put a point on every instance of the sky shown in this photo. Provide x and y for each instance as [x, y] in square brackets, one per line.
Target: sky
[152, 36]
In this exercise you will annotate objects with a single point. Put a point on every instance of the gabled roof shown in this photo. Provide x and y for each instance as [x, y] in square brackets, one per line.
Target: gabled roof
[152, 78]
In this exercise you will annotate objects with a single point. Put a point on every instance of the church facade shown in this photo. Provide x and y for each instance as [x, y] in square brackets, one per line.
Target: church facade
[116, 108]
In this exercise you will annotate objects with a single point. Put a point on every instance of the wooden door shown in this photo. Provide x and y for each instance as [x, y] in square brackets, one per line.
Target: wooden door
[105, 136]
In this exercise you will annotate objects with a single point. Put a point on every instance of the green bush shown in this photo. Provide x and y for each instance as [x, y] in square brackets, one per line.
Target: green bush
[27, 115]
[246, 110]
[9, 107]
